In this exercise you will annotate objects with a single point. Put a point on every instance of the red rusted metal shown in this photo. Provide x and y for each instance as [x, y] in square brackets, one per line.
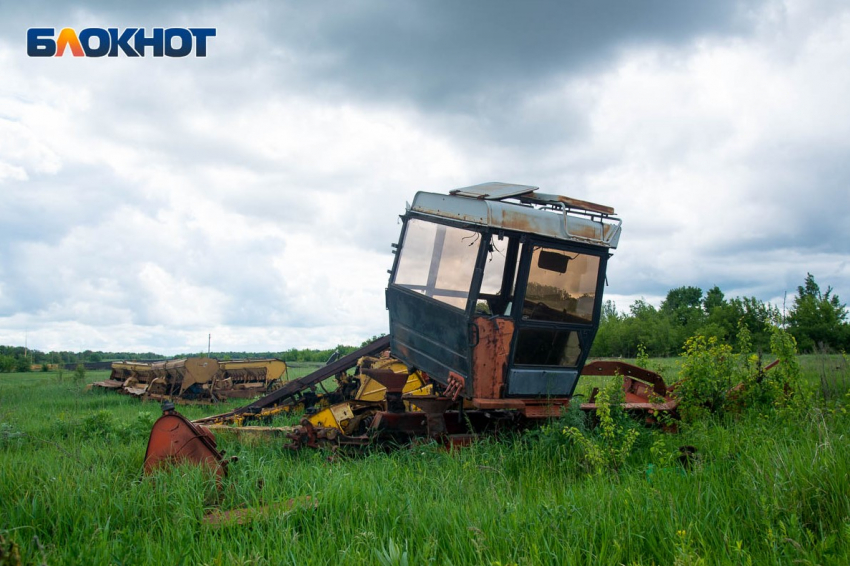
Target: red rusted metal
[490, 356]
[489, 404]
[175, 439]
[551, 409]
[456, 385]
[529, 408]
[615, 367]
[645, 390]
[394, 382]
[435, 411]
[308, 435]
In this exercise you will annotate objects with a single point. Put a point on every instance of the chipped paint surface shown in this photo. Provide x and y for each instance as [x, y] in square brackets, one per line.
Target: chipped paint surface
[555, 221]
[490, 356]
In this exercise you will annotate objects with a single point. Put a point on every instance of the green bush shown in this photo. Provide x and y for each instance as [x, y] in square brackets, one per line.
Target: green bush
[99, 424]
[608, 446]
[80, 374]
[709, 369]
[22, 364]
[715, 380]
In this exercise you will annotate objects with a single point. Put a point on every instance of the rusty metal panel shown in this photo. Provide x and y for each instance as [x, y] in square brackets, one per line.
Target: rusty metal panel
[624, 369]
[195, 370]
[552, 409]
[490, 356]
[173, 439]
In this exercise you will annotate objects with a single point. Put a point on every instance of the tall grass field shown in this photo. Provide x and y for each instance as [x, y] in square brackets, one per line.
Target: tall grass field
[764, 487]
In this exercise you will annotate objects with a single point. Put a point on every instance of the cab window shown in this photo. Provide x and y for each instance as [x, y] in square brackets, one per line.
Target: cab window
[438, 261]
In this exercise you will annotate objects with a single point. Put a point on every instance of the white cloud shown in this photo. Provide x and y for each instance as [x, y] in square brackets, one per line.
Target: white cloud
[147, 203]
[716, 156]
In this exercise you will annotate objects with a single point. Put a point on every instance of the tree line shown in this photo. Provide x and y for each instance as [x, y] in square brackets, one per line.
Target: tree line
[19, 358]
[817, 319]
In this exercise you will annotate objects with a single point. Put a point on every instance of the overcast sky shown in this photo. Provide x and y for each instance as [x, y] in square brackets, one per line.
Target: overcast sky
[254, 194]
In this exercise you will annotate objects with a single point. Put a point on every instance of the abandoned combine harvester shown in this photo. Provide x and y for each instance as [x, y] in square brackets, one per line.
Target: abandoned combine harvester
[494, 300]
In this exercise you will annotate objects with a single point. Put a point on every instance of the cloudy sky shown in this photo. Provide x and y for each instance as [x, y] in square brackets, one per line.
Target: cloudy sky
[254, 194]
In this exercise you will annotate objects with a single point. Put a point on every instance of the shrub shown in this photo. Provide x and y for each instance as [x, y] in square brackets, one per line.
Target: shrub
[608, 446]
[99, 424]
[22, 364]
[716, 380]
[709, 369]
[80, 373]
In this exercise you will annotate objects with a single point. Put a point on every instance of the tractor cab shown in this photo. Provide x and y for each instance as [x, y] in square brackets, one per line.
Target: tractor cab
[496, 291]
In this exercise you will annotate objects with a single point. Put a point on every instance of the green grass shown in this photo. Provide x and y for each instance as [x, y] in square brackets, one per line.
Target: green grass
[765, 489]
[295, 370]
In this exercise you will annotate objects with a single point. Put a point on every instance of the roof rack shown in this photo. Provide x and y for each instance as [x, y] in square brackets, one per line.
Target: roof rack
[527, 194]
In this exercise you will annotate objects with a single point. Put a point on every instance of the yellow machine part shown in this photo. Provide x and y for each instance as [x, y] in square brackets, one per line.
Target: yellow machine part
[340, 415]
[122, 369]
[180, 373]
[337, 416]
[371, 390]
[275, 369]
[193, 370]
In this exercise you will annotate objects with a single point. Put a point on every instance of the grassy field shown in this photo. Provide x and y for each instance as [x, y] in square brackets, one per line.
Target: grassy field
[764, 489]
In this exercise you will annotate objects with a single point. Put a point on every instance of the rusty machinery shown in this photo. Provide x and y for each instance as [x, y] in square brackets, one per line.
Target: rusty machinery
[196, 379]
[494, 299]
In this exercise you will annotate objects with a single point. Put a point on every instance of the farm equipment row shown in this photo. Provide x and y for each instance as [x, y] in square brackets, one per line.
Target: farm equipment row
[196, 379]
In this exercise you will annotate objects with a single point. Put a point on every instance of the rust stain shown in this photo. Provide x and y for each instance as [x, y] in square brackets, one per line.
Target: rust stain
[175, 439]
[585, 205]
[587, 232]
[485, 404]
[552, 408]
[519, 221]
[490, 356]
[608, 367]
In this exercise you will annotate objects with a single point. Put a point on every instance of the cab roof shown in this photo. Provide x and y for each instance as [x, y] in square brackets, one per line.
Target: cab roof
[522, 208]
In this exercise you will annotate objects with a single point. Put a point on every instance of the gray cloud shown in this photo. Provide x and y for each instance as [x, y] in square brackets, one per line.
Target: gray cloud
[254, 193]
[447, 54]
